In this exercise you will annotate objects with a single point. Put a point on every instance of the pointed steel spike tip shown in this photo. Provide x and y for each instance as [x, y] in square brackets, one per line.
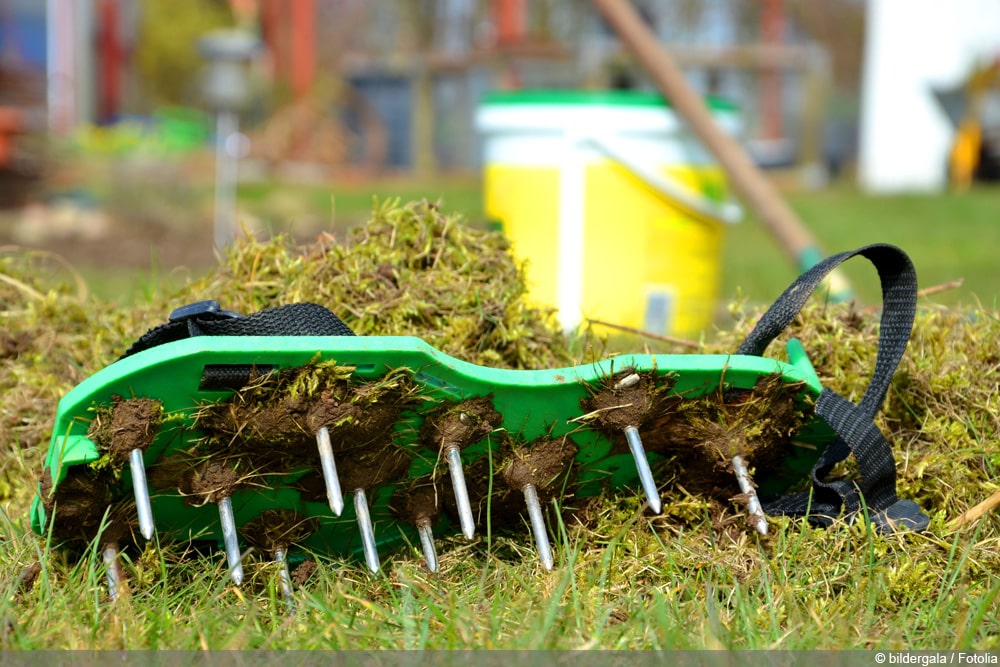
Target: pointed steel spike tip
[333, 491]
[642, 465]
[758, 518]
[454, 458]
[284, 577]
[141, 490]
[231, 540]
[115, 578]
[367, 531]
[538, 528]
[427, 544]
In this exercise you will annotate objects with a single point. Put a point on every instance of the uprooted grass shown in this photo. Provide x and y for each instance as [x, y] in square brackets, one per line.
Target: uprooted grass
[689, 579]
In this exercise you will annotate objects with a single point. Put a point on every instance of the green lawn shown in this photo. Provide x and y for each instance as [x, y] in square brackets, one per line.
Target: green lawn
[948, 236]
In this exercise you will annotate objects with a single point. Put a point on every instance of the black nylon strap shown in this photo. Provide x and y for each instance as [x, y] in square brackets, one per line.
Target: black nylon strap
[853, 424]
[296, 319]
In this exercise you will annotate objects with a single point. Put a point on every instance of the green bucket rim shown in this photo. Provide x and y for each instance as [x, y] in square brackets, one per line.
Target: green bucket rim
[618, 98]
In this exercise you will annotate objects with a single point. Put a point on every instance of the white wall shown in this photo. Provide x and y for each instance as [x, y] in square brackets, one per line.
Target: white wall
[912, 47]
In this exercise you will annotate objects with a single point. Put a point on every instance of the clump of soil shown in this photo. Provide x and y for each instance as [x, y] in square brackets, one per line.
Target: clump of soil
[277, 529]
[418, 502]
[274, 422]
[301, 574]
[12, 346]
[363, 419]
[629, 399]
[703, 435]
[372, 468]
[210, 482]
[78, 504]
[271, 426]
[26, 580]
[546, 464]
[270, 414]
[173, 472]
[461, 424]
[127, 425]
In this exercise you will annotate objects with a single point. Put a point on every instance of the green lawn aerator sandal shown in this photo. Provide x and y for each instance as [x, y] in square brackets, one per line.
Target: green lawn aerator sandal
[253, 431]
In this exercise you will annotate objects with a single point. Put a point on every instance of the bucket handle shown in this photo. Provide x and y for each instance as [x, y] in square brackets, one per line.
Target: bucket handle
[669, 188]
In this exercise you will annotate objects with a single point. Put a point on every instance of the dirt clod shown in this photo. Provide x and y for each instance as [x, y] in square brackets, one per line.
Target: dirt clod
[27, 578]
[703, 435]
[460, 425]
[211, 482]
[629, 399]
[130, 424]
[373, 468]
[544, 464]
[78, 504]
[418, 502]
[301, 574]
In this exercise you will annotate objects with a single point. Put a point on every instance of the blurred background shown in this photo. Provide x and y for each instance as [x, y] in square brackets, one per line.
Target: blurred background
[877, 120]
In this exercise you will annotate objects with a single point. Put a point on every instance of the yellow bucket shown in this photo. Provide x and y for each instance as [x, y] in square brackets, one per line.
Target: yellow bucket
[615, 207]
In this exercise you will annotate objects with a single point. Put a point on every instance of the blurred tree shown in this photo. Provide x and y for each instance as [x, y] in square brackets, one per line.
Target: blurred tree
[166, 51]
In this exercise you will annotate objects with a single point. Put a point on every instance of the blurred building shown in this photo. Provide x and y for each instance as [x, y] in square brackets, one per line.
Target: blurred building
[916, 50]
[395, 84]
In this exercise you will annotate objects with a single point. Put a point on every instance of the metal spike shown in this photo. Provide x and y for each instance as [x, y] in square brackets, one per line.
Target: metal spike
[333, 492]
[753, 502]
[427, 544]
[141, 490]
[115, 578]
[538, 528]
[231, 540]
[283, 575]
[367, 531]
[454, 458]
[627, 381]
[642, 465]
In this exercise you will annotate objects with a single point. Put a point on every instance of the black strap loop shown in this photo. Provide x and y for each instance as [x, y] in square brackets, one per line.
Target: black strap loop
[853, 424]
[206, 319]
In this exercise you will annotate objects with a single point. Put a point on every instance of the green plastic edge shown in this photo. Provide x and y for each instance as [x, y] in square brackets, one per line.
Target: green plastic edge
[534, 402]
[620, 98]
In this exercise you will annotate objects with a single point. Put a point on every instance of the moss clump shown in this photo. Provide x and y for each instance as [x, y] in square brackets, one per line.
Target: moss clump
[412, 270]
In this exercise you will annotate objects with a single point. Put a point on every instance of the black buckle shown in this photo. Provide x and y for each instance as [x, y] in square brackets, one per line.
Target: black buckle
[202, 309]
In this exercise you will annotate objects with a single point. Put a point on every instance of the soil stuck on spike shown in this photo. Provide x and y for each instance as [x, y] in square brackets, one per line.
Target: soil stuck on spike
[461, 424]
[211, 482]
[614, 406]
[354, 424]
[545, 463]
[274, 423]
[129, 424]
[359, 468]
[373, 468]
[420, 501]
[703, 435]
[249, 425]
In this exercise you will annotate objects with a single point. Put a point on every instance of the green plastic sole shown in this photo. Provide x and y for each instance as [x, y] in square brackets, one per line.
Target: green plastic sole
[533, 404]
